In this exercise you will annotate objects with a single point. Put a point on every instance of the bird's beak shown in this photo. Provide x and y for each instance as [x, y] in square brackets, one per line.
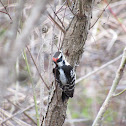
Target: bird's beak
[55, 59]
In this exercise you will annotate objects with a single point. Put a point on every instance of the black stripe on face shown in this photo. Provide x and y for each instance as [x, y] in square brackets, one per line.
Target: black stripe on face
[58, 56]
[60, 59]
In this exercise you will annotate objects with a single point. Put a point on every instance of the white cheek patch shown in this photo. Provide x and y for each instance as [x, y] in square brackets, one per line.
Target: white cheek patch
[59, 56]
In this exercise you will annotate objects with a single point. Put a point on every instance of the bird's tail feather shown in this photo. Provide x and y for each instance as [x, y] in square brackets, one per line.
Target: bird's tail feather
[64, 96]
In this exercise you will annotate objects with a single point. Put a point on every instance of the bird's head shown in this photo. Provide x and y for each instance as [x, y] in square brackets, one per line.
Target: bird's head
[59, 59]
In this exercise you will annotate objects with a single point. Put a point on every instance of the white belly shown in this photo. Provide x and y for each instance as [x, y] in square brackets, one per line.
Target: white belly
[62, 76]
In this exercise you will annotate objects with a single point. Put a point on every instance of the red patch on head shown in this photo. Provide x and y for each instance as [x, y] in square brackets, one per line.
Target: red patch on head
[55, 59]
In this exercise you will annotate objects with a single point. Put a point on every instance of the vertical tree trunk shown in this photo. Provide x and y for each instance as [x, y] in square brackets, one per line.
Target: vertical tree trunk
[73, 43]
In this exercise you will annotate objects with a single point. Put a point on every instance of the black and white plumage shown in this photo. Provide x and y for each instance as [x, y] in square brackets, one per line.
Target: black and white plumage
[64, 75]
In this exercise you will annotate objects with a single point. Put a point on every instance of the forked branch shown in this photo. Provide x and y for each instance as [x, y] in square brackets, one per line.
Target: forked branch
[115, 83]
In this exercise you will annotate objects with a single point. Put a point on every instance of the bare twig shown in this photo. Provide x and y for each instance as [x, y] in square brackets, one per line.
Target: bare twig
[17, 113]
[3, 12]
[57, 17]
[30, 23]
[58, 11]
[119, 93]
[101, 14]
[98, 69]
[37, 68]
[115, 16]
[70, 8]
[23, 112]
[5, 7]
[15, 26]
[115, 83]
[52, 19]
[4, 114]
[60, 45]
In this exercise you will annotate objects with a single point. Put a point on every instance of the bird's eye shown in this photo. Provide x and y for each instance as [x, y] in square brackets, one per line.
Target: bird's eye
[60, 59]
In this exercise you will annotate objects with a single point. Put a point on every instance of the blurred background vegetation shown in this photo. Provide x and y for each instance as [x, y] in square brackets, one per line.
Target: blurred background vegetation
[106, 41]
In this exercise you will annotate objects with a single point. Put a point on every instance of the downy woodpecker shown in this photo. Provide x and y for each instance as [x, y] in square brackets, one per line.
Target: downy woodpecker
[64, 75]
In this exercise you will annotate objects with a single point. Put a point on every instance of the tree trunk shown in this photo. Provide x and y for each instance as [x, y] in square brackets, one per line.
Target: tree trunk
[73, 44]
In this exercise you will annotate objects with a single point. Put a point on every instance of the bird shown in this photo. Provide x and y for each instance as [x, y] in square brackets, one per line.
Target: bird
[64, 75]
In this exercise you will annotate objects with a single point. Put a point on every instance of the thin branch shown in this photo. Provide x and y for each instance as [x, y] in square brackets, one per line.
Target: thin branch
[101, 14]
[3, 12]
[119, 73]
[22, 40]
[37, 68]
[5, 7]
[60, 46]
[58, 11]
[52, 19]
[15, 26]
[98, 69]
[17, 113]
[57, 17]
[23, 112]
[4, 114]
[115, 95]
[115, 16]
[70, 8]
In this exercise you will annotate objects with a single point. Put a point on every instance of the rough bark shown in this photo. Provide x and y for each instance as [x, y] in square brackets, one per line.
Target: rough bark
[76, 34]
[73, 44]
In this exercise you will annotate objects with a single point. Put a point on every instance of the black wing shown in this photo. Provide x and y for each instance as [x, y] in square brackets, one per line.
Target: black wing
[68, 88]
[56, 74]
